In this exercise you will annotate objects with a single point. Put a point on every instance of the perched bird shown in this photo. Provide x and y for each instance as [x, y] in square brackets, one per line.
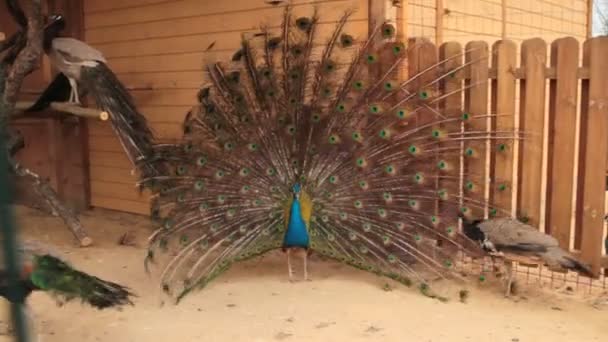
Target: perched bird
[510, 236]
[314, 144]
[44, 271]
[85, 66]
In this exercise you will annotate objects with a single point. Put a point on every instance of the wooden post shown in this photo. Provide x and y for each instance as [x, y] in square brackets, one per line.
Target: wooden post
[503, 105]
[503, 22]
[439, 11]
[589, 21]
[594, 147]
[562, 139]
[476, 105]
[532, 118]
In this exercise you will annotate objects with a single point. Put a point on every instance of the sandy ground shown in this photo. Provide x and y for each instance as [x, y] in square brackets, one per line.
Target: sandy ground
[255, 302]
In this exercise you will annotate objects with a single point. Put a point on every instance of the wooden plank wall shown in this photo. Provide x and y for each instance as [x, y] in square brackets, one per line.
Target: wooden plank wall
[156, 47]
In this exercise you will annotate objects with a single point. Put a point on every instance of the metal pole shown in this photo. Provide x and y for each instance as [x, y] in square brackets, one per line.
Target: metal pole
[9, 241]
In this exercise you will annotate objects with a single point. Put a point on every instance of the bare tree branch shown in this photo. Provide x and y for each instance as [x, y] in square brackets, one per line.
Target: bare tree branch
[26, 61]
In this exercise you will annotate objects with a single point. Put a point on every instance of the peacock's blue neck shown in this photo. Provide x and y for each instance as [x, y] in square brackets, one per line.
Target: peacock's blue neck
[297, 234]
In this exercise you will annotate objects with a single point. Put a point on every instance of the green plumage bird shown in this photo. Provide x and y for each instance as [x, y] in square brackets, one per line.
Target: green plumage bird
[44, 271]
[316, 144]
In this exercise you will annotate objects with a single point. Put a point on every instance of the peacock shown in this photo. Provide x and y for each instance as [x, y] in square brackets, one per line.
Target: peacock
[44, 270]
[510, 236]
[303, 144]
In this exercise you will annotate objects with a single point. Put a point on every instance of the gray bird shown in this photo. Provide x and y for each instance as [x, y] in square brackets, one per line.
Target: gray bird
[86, 67]
[510, 236]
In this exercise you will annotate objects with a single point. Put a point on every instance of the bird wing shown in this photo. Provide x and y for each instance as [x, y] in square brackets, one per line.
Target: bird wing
[507, 233]
[28, 249]
[76, 51]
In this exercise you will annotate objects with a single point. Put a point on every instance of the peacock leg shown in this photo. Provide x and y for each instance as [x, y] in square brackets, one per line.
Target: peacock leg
[74, 91]
[289, 268]
[305, 265]
[509, 270]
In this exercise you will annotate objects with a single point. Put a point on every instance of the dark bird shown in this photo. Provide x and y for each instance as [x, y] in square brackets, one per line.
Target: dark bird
[44, 271]
[85, 66]
[290, 149]
[59, 90]
[510, 236]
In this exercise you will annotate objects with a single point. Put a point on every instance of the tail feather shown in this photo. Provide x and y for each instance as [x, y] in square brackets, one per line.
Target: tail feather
[558, 257]
[57, 91]
[55, 276]
[130, 125]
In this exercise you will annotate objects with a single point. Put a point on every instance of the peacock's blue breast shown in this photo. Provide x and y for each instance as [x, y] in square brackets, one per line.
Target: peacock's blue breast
[297, 232]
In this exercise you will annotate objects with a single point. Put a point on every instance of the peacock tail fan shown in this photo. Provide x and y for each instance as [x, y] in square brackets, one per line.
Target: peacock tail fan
[379, 163]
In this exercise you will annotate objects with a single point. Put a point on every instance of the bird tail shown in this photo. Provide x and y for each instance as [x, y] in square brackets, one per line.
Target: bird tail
[57, 91]
[557, 256]
[131, 126]
[53, 275]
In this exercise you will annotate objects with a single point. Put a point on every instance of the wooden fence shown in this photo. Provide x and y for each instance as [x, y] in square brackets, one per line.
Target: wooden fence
[558, 170]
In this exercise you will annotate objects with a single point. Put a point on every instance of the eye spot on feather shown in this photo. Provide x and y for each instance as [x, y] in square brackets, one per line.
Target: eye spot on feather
[464, 210]
[168, 223]
[363, 250]
[245, 189]
[450, 230]
[188, 147]
[469, 185]
[400, 226]
[343, 216]
[252, 147]
[388, 31]
[469, 152]
[465, 116]
[199, 185]
[448, 263]
[291, 129]
[423, 95]
[316, 118]
[442, 165]
[181, 170]
[388, 197]
[334, 139]
[390, 169]
[221, 199]
[363, 185]
[304, 23]
[493, 212]
[324, 218]
[442, 194]
[371, 58]
[382, 212]
[346, 40]
[230, 213]
[203, 207]
[389, 86]
[333, 179]
[219, 174]
[414, 150]
[274, 189]
[358, 204]
[482, 278]
[271, 93]
[341, 108]
[358, 85]
[391, 258]
[401, 113]
[271, 172]
[386, 240]
[501, 147]
[417, 237]
[357, 136]
[414, 204]
[384, 133]
[244, 172]
[361, 162]
[327, 92]
[329, 66]
[435, 220]
[352, 236]
[398, 48]
[229, 146]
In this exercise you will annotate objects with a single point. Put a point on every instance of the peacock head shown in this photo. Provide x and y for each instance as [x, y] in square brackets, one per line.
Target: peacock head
[296, 188]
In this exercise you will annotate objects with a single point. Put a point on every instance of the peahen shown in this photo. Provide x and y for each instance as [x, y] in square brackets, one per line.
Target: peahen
[43, 270]
[317, 145]
[510, 236]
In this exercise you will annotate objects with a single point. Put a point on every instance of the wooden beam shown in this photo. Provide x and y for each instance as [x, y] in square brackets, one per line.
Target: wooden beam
[65, 107]
[439, 13]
